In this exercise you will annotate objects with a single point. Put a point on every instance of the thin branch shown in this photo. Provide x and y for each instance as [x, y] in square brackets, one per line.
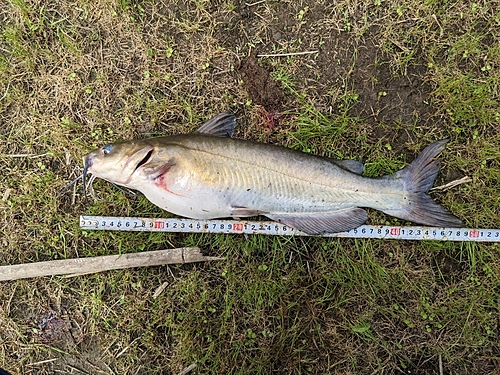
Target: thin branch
[190, 368]
[31, 156]
[6, 91]
[452, 184]
[287, 54]
[256, 3]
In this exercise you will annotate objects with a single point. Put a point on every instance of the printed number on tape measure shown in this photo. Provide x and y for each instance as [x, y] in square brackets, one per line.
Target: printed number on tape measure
[274, 228]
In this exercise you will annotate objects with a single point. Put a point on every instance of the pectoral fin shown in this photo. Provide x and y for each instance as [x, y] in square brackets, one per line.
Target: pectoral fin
[221, 125]
[323, 222]
[158, 169]
[238, 212]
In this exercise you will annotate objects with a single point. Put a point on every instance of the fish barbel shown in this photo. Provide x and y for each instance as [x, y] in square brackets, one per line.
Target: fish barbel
[209, 175]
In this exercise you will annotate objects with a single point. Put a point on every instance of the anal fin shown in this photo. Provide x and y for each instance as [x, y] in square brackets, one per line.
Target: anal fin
[323, 222]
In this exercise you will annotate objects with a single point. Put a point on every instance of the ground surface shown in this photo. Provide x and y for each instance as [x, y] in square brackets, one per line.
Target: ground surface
[387, 79]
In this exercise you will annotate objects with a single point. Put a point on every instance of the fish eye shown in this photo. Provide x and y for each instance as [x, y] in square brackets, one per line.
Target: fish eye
[107, 149]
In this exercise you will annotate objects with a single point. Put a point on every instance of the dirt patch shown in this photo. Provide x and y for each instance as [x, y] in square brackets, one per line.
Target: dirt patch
[349, 71]
[387, 100]
[264, 91]
[261, 87]
[390, 105]
[384, 96]
[53, 329]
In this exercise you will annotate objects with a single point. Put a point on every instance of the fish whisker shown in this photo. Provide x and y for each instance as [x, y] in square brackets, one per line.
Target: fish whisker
[66, 188]
[90, 186]
[85, 170]
[127, 192]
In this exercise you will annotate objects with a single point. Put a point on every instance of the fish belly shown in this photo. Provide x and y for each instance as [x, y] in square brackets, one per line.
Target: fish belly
[201, 203]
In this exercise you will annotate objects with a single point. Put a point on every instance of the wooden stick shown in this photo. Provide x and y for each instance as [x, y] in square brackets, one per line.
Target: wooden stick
[103, 263]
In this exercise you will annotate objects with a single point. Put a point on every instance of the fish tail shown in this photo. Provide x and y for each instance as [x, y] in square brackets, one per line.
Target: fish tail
[417, 179]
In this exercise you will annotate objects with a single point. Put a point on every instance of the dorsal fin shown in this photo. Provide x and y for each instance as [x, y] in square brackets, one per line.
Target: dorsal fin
[221, 125]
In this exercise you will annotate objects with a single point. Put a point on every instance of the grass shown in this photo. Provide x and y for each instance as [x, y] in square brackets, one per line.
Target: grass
[389, 79]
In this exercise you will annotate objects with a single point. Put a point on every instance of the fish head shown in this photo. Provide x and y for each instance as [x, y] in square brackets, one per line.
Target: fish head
[119, 163]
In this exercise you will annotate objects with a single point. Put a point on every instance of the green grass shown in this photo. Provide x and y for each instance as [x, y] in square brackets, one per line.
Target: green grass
[76, 76]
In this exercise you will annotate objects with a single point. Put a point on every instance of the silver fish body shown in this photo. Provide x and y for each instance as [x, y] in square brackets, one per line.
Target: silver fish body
[209, 175]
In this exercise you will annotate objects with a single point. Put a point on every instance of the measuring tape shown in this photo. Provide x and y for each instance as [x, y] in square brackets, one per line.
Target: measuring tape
[276, 229]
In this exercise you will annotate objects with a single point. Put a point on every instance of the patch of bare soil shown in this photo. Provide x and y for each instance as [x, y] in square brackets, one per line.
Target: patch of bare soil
[261, 87]
[53, 329]
[384, 97]
[263, 90]
[390, 102]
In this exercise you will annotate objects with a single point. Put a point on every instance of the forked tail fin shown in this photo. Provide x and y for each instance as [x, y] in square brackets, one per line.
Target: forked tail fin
[418, 178]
